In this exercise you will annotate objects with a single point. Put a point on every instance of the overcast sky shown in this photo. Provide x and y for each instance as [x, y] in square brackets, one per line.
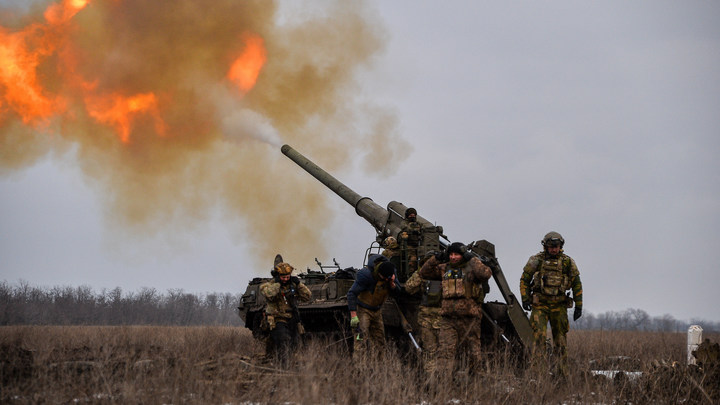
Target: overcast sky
[599, 120]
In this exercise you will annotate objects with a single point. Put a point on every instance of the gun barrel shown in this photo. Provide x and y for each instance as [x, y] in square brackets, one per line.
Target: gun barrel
[364, 206]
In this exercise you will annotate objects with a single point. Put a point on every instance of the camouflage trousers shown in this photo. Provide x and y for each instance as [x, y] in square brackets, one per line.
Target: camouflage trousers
[370, 334]
[458, 333]
[430, 322]
[409, 258]
[556, 315]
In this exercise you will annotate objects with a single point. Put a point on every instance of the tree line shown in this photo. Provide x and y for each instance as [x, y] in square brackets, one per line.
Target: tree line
[23, 304]
[638, 320]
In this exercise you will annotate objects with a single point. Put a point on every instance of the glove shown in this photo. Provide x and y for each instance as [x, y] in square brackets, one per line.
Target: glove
[468, 255]
[526, 305]
[439, 256]
[295, 280]
[577, 314]
[354, 322]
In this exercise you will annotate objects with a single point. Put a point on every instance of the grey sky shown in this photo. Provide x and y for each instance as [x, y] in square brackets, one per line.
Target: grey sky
[599, 120]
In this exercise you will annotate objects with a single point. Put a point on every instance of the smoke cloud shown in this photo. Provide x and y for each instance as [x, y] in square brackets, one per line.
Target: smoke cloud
[140, 90]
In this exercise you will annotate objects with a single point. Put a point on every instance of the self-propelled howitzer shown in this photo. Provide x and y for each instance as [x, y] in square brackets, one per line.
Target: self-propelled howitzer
[502, 322]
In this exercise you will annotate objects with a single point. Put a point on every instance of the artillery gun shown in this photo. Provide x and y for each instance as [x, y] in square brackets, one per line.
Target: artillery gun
[503, 323]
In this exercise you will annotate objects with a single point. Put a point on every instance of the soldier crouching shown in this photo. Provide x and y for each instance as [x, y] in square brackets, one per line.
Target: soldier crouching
[281, 312]
[373, 284]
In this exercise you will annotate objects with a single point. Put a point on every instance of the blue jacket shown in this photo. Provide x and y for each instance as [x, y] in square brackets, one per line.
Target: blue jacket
[366, 282]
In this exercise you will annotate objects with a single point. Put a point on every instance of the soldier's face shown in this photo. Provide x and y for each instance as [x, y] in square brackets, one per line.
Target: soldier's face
[553, 250]
[455, 257]
[285, 279]
[412, 217]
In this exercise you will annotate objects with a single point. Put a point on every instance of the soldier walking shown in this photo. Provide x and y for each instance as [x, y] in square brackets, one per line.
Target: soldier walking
[462, 276]
[545, 279]
[281, 311]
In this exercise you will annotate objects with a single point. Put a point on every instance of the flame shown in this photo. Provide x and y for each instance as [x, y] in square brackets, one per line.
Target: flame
[22, 52]
[120, 111]
[20, 55]
[60, 13]
[246, 67]
[18, 78]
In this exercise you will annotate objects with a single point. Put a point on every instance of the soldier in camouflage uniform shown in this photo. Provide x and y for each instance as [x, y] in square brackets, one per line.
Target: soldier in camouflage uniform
[429, 318]
[281, 312]
[462, 278]
[409, 240]
[545, 279]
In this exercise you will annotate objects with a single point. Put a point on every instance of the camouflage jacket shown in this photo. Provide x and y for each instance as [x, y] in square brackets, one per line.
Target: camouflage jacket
[462, 291]
[545, 279]
[282, 299]
[414, 284]
[409, 235]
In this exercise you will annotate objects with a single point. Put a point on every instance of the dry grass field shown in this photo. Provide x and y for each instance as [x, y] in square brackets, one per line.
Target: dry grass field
[222, 365]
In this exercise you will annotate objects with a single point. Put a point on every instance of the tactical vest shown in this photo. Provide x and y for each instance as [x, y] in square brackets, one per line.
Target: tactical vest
[374, 299]
[551, 279]
[456, 285]
[461, 298]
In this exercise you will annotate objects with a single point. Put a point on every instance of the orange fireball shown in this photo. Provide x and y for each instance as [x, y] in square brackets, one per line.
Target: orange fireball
[246, 67]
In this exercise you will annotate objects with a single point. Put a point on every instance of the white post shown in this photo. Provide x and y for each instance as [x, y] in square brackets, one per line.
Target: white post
[694, 339]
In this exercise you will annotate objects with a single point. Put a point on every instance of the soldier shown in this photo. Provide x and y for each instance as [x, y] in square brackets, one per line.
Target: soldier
[409, 239]
[281, 311]
[462, 279]
[371, 288]
[429, 318]
[545, 279]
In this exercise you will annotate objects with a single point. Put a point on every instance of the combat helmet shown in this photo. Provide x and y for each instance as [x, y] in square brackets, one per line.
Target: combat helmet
[283, 269]
[553, 239]
[390, 243]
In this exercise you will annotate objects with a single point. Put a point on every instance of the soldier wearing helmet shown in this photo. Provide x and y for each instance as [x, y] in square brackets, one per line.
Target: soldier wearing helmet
[281, 312]
[546, 278]
[461, 275]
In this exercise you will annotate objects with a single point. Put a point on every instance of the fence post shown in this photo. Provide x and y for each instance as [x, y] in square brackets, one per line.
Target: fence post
[694, 338]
